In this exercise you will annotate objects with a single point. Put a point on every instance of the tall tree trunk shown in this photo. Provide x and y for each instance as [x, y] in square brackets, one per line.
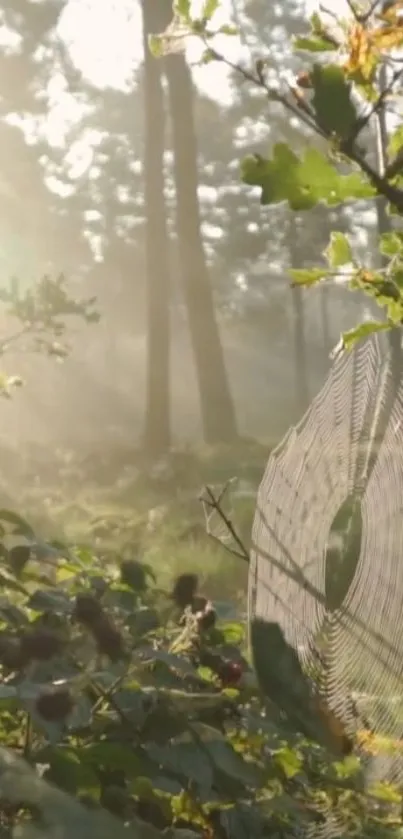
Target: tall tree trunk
[157, 435]
[326, 331]
[300, 348]
[384, 221]
[217, 407]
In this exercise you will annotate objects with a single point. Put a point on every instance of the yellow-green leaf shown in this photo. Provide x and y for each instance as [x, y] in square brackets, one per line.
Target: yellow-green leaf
[156, 45]
[181, 8]
[306, 276]
[334, 109]
[351, 337]
[209, 7]
[338, 252]
[320, 44]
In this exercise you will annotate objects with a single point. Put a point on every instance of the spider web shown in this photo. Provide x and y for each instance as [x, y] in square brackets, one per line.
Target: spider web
[346, 453]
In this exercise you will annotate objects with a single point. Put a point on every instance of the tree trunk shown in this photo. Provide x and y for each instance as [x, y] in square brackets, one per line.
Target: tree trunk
[326, 331]
[383, 218]
[300, 348]
[217, 407]
[157, 436]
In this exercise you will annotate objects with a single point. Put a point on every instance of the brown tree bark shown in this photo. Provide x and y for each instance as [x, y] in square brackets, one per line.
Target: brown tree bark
[217, 407]
[157, 432]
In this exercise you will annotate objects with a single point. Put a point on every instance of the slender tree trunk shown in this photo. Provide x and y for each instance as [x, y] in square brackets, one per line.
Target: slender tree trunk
[217, 407]
[326, 331]
[384, 222]
[157, 420]
[300, 350]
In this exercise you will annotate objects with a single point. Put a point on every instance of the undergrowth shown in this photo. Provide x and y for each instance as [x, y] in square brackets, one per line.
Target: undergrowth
[140, 702]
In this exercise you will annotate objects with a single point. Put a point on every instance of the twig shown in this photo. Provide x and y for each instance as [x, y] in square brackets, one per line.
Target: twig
[259, 81]
[378, 105]
[393, 194]
[365, 17]
[14, 337]
[27, 737]
[215, 504]
[103, 695]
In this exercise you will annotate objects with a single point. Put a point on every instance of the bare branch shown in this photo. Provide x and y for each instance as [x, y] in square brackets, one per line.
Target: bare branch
[215, 503]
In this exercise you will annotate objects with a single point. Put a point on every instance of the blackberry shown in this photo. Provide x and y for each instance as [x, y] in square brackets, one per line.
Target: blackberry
[88, 610]
[184, 590]
[133, 574]
[108, 639]
[55, 705]
[40, 645]
[18, 556]
[11, 654]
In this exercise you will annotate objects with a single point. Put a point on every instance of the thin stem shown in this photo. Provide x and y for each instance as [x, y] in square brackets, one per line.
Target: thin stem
[215, 504]
[27, 737]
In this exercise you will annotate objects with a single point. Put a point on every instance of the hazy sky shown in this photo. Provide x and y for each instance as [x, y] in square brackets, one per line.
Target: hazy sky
[108, 56]
[106, 39]
[105, 42]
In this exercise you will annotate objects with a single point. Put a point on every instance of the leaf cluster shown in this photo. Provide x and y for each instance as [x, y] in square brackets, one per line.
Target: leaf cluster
[352, 78]
[41, 314]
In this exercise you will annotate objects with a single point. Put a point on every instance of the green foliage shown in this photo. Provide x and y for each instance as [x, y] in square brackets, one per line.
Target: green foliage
[182, 9]
[8, 384]
[334, 111]
[338, 252]
[41, 314]
[209, 8]
[301, 181]
[323, 97]
[163, 733]
[391, 244]
[369, 327]
[319, 44]
[156, 45]
[307, 276]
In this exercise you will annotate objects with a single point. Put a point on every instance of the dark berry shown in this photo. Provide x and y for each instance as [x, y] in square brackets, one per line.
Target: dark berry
[114, 799]
[41, 644]
[206, 617]
[11, 654]
[133, 574]
[184, 589]
[199, 603]
[211, 660]
[55, 705]
[230, 673]
[148, 811]
[87, 609]
[18, 557]
[88, 801]
[108, 638]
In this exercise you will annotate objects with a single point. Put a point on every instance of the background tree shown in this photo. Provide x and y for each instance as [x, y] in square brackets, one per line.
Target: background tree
[218, 413]
[157, 416]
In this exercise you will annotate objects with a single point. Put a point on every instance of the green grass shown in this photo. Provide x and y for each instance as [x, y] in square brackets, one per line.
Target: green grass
[154, 514]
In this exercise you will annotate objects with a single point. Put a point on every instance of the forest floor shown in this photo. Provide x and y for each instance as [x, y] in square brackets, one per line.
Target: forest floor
[116, 502]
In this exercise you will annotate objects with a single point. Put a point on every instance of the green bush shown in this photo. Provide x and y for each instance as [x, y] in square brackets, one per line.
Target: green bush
[142, 703]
